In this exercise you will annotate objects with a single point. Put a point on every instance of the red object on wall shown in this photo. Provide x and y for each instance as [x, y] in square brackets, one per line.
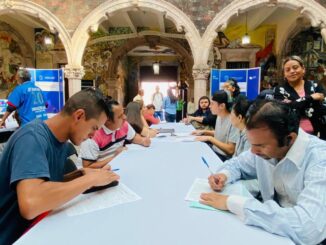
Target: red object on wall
[264, 52]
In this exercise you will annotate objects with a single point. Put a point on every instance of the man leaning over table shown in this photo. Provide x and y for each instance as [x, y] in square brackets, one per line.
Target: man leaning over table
[32, 164]
[290, 166]
[109, 140]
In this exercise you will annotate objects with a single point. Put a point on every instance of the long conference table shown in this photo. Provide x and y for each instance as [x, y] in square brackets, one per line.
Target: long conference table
[161, 175]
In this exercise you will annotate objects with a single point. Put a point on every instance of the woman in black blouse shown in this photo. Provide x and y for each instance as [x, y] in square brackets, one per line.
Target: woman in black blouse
[304, 96]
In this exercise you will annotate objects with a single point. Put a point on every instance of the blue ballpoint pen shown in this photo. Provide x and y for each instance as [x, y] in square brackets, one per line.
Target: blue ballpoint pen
[115, 169]
[205, 162]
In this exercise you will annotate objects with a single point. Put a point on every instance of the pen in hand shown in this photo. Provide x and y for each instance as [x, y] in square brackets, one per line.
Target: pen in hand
[205, 162]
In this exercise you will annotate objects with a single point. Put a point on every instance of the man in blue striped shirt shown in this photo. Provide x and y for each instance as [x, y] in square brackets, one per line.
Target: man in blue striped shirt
[290, 166]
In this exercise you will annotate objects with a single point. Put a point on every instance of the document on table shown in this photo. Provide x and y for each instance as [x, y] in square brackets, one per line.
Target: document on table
[87, 203]
[189, 138]
[176, 137]
[202, 186]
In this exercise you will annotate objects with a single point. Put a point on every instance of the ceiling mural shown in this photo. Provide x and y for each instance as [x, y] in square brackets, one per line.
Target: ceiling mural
[201, 12]
[322, 2]
[70, 12]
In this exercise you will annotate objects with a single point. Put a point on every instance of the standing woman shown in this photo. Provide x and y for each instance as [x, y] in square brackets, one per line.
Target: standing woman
[304, 96]
[170, 106]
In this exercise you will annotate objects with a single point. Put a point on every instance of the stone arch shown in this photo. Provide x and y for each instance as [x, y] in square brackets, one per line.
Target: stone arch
[311, 9]
[135, 42]
[92, 21]
[294, 30]
[30, 8]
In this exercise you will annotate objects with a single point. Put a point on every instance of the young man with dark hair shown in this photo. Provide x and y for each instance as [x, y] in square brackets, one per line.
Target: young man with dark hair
[290, 166]
[225, 136]
[27, 99]
[108, 141]
[32, 164]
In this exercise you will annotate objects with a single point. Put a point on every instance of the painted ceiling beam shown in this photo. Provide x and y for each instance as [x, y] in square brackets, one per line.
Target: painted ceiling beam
[160, 18]
[126, 16]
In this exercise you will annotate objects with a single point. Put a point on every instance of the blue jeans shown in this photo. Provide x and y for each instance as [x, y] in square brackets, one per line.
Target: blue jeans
[158, 114]
[169, 117]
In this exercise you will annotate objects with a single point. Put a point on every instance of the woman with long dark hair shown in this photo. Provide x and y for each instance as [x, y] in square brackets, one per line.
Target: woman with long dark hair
[137, 121]
[304, 96]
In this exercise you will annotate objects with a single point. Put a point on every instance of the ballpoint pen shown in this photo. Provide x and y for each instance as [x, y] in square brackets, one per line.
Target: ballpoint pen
[115, 169]
[205, 162]
[219, 168]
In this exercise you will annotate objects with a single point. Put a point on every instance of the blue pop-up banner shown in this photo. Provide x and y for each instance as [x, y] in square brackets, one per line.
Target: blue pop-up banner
[51, 83]
[248, 80]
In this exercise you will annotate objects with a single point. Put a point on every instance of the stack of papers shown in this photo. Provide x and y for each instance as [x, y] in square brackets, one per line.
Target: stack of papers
[202, 186]
[87, 203]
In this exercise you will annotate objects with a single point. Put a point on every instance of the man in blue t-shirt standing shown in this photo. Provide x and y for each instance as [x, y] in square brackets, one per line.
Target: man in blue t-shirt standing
[31, 180]
[27, 99]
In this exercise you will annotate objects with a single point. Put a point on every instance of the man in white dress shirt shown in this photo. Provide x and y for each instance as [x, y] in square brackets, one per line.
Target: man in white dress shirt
[290, 166]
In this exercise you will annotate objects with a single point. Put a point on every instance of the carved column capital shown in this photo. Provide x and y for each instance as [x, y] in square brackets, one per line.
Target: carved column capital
[7, 4]
[74, 72]
[200, 74]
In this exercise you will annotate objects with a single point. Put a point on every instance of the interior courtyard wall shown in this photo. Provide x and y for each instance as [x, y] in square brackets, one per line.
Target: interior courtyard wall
[64, 16]
[310, 9]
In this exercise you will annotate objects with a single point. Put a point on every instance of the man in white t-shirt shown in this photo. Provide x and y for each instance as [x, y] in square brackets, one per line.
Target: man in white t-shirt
[157, 101]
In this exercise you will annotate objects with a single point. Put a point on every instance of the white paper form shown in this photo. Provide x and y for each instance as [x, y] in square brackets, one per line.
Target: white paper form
[202, 186]
[87, 203]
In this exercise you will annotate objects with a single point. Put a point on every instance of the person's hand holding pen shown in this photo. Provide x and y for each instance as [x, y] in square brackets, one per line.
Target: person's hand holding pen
[217, 181]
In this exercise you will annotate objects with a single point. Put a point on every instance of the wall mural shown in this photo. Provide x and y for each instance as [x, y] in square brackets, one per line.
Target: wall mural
[97, 55]
[14, 53]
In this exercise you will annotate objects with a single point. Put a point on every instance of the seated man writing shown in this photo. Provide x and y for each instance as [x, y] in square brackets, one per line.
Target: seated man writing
[32, 164]
[109, 140]
[290, 166]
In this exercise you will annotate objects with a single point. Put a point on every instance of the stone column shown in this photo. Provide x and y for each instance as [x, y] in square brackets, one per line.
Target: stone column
[323, 32]
[74, 76]
[200, 82]
[115, 89]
